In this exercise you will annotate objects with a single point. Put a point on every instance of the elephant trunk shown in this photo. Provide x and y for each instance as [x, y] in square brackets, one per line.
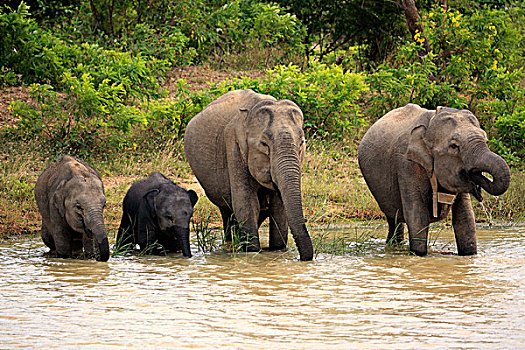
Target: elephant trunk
[288, 179]
[183, 235]
[491, 163]
[97, 227]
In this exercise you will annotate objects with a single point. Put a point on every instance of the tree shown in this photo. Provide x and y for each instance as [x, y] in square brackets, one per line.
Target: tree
[414, 25]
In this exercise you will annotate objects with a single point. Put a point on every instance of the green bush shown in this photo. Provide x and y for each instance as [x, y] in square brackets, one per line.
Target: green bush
[247, 33]
[327, 96]
[475, 63]
[138, 75]
[167, 44]
[86, 119]
[24, 48]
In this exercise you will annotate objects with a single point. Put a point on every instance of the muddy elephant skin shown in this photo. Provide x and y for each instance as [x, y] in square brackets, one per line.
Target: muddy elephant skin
[70, 197]
[411, 157]
[245, 150]
[156, 210]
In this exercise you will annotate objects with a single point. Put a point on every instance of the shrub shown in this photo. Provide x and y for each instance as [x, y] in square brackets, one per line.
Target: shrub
[250, 32]
[24, 48]
[167, 44]
[87, 119]
[327, 96]
[475, 63]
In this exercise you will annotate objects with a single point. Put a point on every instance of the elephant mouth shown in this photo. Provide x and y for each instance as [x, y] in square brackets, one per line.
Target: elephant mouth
[477, 177]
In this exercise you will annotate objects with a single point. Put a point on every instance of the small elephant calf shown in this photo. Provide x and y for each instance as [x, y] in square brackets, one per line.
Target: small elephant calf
[156, 210]
[70, 198]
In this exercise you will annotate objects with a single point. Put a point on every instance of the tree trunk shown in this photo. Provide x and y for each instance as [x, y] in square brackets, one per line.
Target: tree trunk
[414, 24]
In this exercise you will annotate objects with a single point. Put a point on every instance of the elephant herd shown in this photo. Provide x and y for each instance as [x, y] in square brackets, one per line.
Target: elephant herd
[245, 150]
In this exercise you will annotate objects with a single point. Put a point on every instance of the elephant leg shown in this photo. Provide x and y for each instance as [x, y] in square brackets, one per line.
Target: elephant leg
[63, 243]
[227, 221]
[464, 224]
[278, 224]
[87, 243]
[247, 215]
[147, 236]
[417, 218]
[125, 232]
[47, 238]
[396, 231]
[415, 194]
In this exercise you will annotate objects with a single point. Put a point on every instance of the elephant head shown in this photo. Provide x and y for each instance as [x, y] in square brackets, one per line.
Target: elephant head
[80, 200]
[452, 144]
[172, 207]
[272, 145]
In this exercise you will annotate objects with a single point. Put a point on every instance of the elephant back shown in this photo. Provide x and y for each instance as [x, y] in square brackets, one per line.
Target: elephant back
[204, 143]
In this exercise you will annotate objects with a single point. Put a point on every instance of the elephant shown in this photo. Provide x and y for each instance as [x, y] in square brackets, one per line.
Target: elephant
[70, 197]
[156, 210]
[421, 163]
[245, 150]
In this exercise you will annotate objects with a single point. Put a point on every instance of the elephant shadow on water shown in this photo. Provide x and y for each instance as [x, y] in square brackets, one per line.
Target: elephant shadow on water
[420, 164]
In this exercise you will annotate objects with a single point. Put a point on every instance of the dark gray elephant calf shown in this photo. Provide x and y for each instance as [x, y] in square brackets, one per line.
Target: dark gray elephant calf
[420, 163]
[70, 198]
[156, 210]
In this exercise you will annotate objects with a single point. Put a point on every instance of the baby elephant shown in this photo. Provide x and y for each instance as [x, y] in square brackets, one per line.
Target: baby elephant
[157, 210]
[70, 198]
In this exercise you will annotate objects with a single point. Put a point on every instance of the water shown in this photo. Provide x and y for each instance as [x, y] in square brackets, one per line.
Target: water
[268, 301]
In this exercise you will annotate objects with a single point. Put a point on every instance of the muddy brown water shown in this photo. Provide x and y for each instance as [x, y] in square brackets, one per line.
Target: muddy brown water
[374, 300]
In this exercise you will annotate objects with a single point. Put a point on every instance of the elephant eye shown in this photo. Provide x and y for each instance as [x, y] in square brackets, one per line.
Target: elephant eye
[266, 146]
[454, 147]
[78, 206]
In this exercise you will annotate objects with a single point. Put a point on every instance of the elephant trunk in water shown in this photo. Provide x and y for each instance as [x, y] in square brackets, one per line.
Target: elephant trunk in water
[96, 225]
[183, 234]
[489, 162]
[287, 176]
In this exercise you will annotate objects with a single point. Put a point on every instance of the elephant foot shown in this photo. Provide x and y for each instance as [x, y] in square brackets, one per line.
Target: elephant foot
[251, 247]
[281, 247]
[51, 254]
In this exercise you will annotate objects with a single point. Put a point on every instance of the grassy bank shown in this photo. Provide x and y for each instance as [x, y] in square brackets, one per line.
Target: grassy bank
[334, 191]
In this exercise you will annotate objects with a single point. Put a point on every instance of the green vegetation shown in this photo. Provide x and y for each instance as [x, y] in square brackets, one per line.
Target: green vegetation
[107, 84]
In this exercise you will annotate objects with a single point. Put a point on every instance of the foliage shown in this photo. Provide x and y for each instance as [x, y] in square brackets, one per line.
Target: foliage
[241, 28]
[327, 96]
[86, 119]
[167, 44]
[24, 48]
[331, 25]
[475, 63]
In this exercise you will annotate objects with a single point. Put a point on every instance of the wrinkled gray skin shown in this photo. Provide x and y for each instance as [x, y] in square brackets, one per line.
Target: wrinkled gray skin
[157, 210]
[397, 155]
[70, 198]
[246, 150]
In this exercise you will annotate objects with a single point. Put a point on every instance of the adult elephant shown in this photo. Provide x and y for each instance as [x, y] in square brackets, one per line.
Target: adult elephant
[70, 197]
[246, 149]
[419, 163]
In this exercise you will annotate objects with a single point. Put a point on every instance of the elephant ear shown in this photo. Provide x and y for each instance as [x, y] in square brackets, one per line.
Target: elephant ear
[59, 197]
[418, 151]
[149, 199]
[240, 132]
[193, 197]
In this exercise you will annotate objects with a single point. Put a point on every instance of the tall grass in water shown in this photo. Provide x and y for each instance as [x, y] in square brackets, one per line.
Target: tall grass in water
[355, 241]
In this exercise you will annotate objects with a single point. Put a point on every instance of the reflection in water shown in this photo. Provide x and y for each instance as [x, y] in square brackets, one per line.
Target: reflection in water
[268, 300]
